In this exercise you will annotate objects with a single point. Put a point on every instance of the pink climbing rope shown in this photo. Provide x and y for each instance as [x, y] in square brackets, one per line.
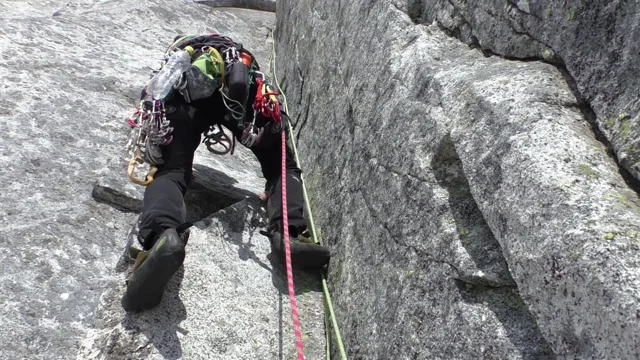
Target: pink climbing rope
[287, 247]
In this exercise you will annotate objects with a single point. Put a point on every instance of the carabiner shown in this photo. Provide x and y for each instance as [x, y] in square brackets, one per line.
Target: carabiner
[133, 163]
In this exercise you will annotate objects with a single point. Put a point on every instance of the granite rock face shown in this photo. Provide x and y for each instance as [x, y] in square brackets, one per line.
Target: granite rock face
[595, 41]
[70, 74]
[471, 209]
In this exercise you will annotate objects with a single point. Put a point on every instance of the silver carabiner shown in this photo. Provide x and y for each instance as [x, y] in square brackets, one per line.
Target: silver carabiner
[251, 135]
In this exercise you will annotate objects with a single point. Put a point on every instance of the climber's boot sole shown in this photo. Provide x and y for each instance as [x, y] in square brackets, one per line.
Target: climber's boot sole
[303, 255]
[152, 271]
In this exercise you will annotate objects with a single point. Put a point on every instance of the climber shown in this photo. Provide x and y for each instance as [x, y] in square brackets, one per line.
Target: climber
[218, 84]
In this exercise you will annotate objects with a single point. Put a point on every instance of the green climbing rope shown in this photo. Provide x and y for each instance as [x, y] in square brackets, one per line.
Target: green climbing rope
[325, 288]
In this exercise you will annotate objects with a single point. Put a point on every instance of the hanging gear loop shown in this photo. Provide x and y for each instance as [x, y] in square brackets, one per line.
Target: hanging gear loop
[150, 130]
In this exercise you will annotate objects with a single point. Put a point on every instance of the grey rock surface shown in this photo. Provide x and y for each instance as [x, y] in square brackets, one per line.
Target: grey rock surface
[596, 41]
[440, 176]
[557, 204]
[70, 74]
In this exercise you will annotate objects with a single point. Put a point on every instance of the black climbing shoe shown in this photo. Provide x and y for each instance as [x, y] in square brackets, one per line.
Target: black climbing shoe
[152, 271]
[305, 255]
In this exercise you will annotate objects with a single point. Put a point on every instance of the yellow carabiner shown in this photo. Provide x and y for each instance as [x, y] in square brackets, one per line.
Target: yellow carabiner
[133, 163]
[266, 89]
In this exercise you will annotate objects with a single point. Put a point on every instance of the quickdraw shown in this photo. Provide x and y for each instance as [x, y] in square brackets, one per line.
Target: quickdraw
[265, 103]
[251, 135]
[231, 56]
[150, 130]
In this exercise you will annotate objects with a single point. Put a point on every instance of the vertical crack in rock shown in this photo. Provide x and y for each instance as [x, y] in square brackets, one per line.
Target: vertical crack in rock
[351, 121]
[301, 89]
[590, 116]
[306, 108]
[475, 235]
[298, 100]
[420, 13]
[514, 315]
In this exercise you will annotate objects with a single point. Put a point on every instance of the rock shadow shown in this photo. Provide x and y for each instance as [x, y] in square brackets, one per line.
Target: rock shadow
[115, 196]
[514, 316]
[501, 296]
[209, 191]
[236, 218]
[220, 182]
[161, 324]
[305, 281]
[473, 232]
[259, 5]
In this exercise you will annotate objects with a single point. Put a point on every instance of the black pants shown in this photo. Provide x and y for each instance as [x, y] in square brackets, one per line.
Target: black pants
[163, 198]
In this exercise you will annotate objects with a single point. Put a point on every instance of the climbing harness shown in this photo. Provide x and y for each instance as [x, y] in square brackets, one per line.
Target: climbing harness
[314, 235]
[217, 64]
